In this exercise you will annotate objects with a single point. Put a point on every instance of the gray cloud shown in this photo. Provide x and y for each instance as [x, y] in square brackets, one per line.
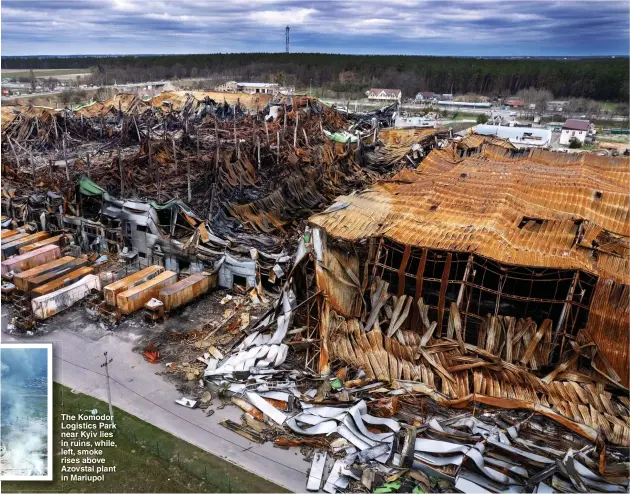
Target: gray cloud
[473, 27]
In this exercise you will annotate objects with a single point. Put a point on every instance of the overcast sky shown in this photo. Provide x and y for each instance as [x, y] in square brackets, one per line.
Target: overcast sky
[464, 27]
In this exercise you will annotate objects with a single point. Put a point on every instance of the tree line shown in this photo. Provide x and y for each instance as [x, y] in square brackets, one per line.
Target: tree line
[593, 78]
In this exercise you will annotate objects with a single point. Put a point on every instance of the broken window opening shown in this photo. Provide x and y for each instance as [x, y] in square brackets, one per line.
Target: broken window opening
[241, 281]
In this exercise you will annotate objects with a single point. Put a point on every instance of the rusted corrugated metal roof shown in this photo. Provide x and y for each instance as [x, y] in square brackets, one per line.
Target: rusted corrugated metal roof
[608, 325]
[128, 103]
[390, 359]
[542, 210]
[472, 141]
[404, 137]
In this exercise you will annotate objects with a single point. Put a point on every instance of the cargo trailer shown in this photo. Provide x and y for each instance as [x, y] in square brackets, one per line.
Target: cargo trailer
[185, 290]
[57, 240]
[53, 303]
[20, 280]
[12, 246]
[30, 260]
[42, 279]
[131, 300]
[62, 281]
[113, 289]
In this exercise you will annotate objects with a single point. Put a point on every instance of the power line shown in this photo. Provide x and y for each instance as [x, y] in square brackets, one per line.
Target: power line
[109, 393]
[182, 418]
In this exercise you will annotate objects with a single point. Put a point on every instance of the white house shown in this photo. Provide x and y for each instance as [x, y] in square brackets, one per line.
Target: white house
[384, 94]
[249, 87]
[463, 104]
[229, 87]
[258, 87]
[574, 129]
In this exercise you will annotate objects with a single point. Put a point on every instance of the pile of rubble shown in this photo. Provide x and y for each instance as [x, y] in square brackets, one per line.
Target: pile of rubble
[378, 423]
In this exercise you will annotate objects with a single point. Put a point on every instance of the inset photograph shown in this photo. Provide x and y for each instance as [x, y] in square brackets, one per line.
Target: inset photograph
[26, 412]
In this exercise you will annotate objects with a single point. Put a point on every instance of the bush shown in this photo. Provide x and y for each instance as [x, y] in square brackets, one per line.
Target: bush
[482, 118]
[575, 144]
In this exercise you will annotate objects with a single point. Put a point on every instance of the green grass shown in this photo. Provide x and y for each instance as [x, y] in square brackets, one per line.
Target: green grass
[614, 141]
[464, 116]
[608, 105]
[147, 459]
[43, 73]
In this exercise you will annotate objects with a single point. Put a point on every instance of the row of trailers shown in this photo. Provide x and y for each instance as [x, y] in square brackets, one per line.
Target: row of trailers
[40, 282]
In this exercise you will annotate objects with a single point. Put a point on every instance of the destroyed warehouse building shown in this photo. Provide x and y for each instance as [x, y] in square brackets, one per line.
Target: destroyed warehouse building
[187, 181]
[430, 314]
[497, 280]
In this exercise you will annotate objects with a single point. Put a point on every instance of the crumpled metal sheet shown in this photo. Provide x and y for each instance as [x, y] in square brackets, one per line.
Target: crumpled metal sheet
[402, 211]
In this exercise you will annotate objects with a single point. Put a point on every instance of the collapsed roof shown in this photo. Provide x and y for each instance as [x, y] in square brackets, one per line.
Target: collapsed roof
[536, 221]
[534, 211]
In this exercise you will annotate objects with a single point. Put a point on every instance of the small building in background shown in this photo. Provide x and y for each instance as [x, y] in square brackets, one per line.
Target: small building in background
[556, 106]
[258, 87]
[228, 87]
[384, 94]
[249, 87]
[574, 129]
[426, 96]
[521, 137]
[463, 104]
[515, 103]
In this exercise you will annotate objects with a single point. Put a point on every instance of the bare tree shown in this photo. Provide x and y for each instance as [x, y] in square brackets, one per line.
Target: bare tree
[537, 97]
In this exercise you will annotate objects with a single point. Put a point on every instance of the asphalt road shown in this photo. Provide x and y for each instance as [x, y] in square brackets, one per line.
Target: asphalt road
[138, 390]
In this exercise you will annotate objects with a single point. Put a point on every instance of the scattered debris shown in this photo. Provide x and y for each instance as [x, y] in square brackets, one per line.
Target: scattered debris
[152, 354]
[185, 402]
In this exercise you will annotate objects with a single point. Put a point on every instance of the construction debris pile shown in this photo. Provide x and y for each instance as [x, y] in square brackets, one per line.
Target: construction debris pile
[455, 319]
[388, 413]
[394, 316]
[253, 166]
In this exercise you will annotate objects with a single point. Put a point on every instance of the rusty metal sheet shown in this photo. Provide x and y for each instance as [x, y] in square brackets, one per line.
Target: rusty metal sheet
[483, 206]
[473, 141]
[608, 325]
[203, 233]
[12, 247]
[30, 259]
[113, 289]
[62, 281]
[20, 280]
[57, 240]
[185, 290]
[134, 298]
